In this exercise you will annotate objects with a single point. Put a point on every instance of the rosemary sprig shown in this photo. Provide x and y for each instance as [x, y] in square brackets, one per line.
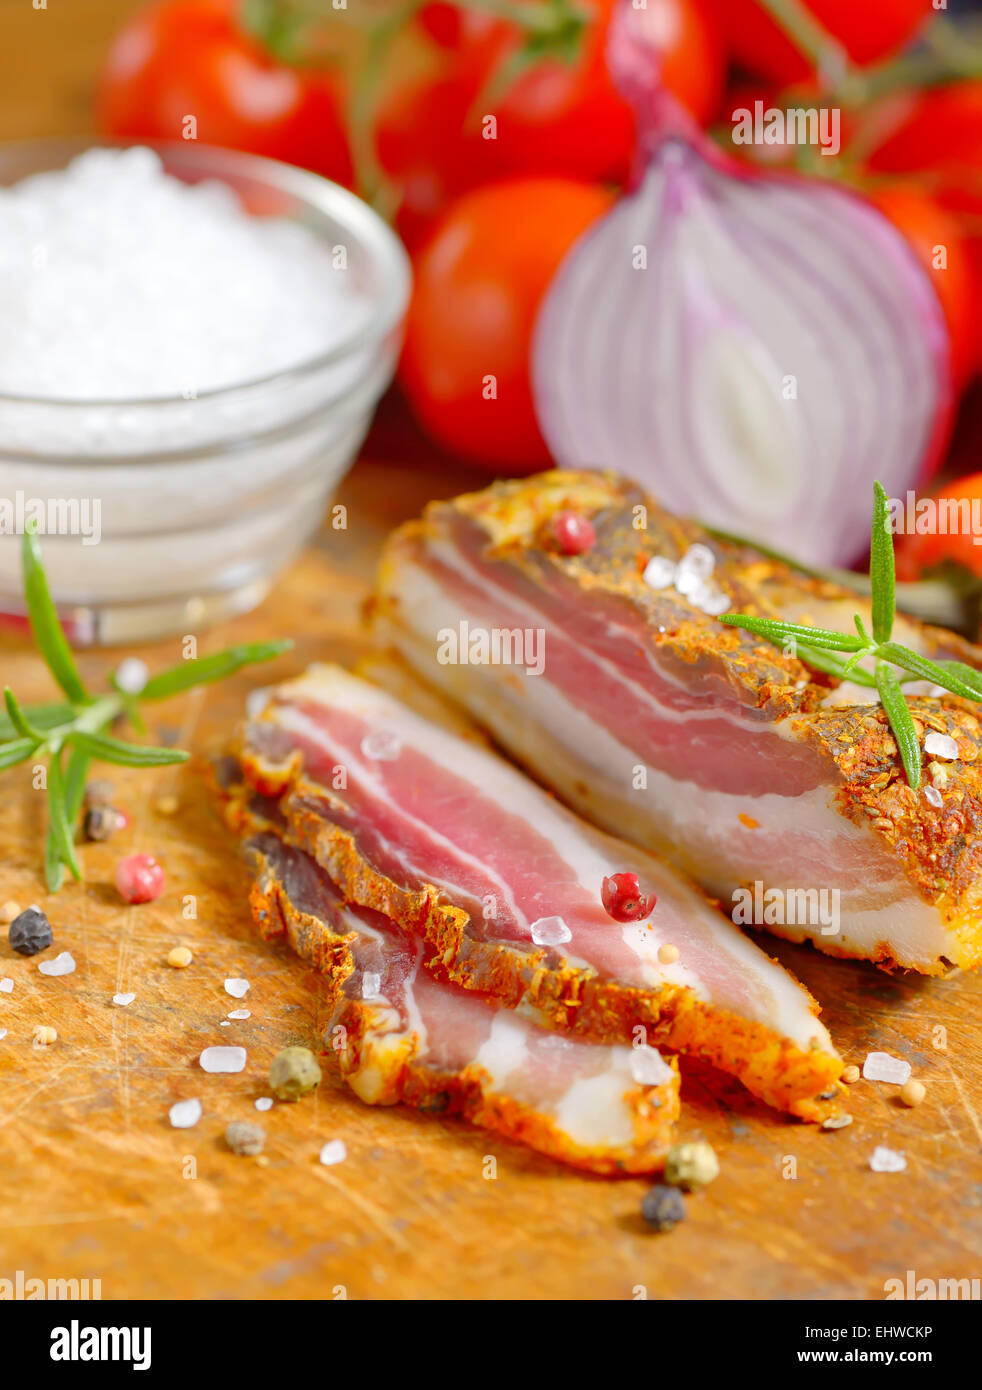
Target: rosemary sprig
[824, 649]
[75, 728]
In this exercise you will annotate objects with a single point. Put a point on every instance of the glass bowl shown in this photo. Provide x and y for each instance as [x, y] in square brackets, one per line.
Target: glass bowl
[162, 515]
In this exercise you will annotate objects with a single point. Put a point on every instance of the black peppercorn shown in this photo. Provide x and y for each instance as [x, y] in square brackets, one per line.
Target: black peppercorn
[31, 932]
[663, 1208]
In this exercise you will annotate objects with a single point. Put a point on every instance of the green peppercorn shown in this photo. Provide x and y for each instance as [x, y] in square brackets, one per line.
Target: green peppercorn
[242, 1137]
[691, 1165]
[294, 1072]
[663, 1208]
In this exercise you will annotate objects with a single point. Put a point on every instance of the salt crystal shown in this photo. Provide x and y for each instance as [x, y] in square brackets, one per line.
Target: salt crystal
[123, 999]
[381, 745]
[185, 1114]
[880, 1066]
[238, 989]
[3, 1034]
[224, 1023]
[648, 1068]
[240, 1013]
[886, 1160]
[694, 568]
[934, 796]
[940, 746]
[223, 1059]
[550, 931]
[371, 985]
[659, 572]
[63, 964]
[132, 675]
[6, 985]
[264, 1103]
[714, 602]
[334, 1151]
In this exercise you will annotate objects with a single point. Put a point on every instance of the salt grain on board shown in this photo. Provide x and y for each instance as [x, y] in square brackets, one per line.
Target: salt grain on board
[63, 964]
[886, 1160]
[6, 985]
[334, 1151]
[223, 1059]
[123, 999]
[880, 1066]
[238, 989]
[240, 1013]
[3, 1034]
[185, 1114]
[264, 1103]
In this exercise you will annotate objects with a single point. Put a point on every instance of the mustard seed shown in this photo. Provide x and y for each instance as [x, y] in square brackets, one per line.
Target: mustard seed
[913, 1092]
[180, 957]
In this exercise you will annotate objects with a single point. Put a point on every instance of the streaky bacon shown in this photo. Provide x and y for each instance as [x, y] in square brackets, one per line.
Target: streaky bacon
[467, 855]
[755, 771]
[400, 1036]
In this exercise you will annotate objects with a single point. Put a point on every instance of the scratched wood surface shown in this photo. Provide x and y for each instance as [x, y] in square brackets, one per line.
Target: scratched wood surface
[96, 1184]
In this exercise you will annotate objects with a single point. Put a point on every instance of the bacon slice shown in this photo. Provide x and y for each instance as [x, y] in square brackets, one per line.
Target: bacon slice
[400, 1036]
[467, 855]
[756, 773]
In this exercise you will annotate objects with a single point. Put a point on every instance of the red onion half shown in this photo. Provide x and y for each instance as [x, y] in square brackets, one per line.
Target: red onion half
[753, 349]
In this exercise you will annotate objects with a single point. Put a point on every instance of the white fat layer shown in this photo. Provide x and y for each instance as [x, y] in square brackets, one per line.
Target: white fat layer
[593, 1110]
[505, 1049]
[697, 827]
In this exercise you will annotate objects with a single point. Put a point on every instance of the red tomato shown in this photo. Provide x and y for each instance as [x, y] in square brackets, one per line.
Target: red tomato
[479, 282]
[435, 138]
[867, 29]
[918, 553]
[935, 235]
[188, 58]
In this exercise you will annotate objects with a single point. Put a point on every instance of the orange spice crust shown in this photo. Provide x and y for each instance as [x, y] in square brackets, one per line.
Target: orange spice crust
[563, 997]
[398, 1075]
[938, 850]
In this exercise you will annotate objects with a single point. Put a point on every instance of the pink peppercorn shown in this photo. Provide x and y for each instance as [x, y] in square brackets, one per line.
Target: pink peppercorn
[573, 533]
[624, 900]
[139, 878]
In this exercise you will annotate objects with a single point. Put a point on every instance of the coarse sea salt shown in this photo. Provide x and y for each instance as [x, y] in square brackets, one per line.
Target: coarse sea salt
[3, 1034]
[240, 1013]
[659, 572]
[238, 989]
[550, 931]
[932, 795]
[185, 1114]
[264, 1103]
[880, 1066]
[940, 746]
[132, 675]
[63, 964]
[334, 1151]
[223, 1059]
[120, 282]
[648, 1068]
[6, 985]
[371, 985]
[886, 1160]
[123, 999]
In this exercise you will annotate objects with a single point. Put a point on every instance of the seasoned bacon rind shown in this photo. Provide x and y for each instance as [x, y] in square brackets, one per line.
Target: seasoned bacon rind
[766, 729]
[795, 1073]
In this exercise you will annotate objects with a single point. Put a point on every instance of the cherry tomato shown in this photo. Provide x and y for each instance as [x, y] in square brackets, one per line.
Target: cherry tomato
[935, 236]
[867, 29]
[917, 553]
[177, 59]
[478, 285]
[439, 136]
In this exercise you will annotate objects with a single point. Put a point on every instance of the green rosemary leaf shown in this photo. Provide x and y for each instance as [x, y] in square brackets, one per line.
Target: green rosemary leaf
[203, 670]
[54, 869]
[57, 812]
[16, 751]
[779, 631]
[898, 712]
[832, 666]
[881, 567]
[78, 767]
[968, 674]
[48, 631]
[16, 716]
[40, 717]
[114, 750]
[861, 629]
[927, 670]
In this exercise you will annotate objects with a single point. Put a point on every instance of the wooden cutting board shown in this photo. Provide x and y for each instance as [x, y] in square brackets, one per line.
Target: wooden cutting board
[96, 1184]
